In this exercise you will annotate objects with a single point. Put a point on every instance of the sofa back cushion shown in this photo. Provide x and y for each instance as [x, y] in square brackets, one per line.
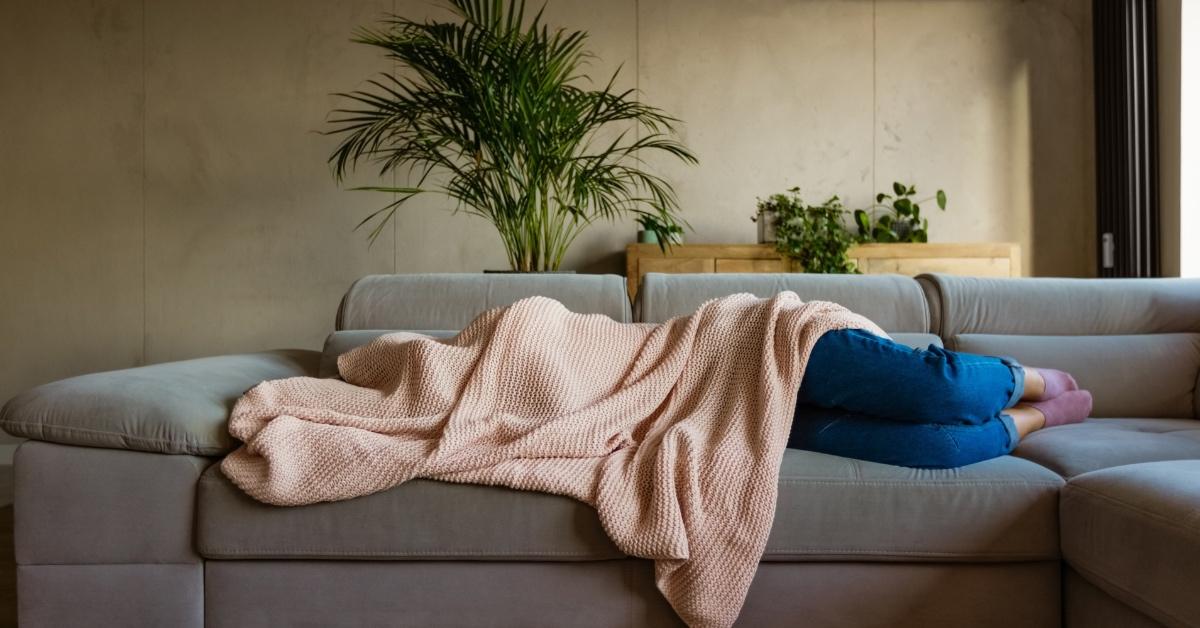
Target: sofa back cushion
[450, 301]
[1134, 343]
[894, 302]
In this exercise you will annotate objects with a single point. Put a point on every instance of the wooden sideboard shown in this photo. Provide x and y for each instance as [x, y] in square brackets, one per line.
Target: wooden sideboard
[983, 259]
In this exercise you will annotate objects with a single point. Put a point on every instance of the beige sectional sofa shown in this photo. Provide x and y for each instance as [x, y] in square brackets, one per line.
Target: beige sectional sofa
[123, 517]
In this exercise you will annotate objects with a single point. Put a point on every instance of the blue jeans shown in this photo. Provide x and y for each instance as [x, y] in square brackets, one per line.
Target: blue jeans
[870, 398]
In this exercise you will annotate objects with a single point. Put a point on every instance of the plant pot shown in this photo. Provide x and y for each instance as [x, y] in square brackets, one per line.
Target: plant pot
[766, 227]
[647, 237]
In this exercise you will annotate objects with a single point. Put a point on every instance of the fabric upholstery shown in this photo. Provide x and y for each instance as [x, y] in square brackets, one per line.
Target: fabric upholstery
[427, 594]
[916, 340]
[1084, 307]
[1134, 531]
[893, 302]
[904, 595]
[1087, 606]
[172, 408]
[450, 301]
[79, 505]
[833, 508]
[620, 594]
[56, 596]
[421, 519]
[829, 508]
[1070, 450]
[1148, 375]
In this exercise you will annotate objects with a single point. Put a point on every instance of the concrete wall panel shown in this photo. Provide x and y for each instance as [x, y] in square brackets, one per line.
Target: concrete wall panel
[773, 94]
[992, 101]
[70, 189]
[249, 240]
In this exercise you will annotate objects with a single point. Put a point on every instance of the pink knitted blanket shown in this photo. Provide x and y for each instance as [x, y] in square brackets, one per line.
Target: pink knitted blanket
[674, 432]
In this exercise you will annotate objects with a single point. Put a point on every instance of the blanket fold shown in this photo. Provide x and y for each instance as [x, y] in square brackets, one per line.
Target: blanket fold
[674, 432]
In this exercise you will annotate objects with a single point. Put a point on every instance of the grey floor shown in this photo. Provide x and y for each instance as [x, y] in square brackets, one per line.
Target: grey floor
[8, 567]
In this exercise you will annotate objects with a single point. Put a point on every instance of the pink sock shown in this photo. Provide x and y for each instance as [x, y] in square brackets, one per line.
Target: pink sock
[1057, 383]
[1072, 406]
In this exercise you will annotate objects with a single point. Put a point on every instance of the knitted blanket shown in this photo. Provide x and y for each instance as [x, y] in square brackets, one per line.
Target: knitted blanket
[674, 432]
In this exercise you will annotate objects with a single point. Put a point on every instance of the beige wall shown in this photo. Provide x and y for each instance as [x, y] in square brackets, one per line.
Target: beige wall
[163, 194]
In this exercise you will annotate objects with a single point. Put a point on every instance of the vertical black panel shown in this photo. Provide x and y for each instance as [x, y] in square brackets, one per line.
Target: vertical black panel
[1126, 65]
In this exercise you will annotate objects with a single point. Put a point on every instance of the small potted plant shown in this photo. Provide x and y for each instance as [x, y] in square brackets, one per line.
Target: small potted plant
[659, 229]
[813, 236]
[901, 220]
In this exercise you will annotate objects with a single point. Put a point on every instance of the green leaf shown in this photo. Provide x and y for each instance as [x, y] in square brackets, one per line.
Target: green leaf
[886, 221]
[903, 206]
[879, 198]
[941, 199]
[498, 109]
[898, 188]
[912, 189]
[863, 221]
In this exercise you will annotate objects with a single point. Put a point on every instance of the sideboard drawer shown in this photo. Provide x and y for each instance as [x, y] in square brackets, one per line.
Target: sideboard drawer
[752, 266]
[974, 266]
[676, 265]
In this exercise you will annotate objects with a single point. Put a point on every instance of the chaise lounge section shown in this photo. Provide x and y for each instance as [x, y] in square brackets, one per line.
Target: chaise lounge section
[119, 497]
[1130, 512]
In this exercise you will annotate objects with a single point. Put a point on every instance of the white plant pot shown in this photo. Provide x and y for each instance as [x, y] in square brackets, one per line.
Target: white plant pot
[766, 227]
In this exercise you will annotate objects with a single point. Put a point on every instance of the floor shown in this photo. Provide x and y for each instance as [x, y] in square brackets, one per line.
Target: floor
[8, 567]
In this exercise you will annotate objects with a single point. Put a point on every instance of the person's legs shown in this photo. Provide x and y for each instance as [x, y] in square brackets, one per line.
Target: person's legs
[858, 371]
[1026, 418]
[921, 445]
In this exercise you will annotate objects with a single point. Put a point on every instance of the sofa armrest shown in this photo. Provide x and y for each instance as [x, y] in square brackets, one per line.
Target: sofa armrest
[171, 408]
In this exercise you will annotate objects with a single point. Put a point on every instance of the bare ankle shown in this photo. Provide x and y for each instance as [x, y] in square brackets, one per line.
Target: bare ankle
[1035, 385]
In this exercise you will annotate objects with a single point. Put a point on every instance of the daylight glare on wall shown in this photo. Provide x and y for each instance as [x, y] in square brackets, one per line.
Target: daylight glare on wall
[1189, 145]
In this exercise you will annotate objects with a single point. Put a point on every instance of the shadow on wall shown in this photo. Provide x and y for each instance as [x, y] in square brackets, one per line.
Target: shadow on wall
[993, 101]
[1063, 228]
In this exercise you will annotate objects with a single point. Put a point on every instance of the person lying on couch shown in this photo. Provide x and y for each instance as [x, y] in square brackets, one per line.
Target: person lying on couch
[674, 432]
[864, 396]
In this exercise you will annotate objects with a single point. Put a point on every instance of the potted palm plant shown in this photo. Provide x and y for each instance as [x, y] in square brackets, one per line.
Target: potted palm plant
[496, 111]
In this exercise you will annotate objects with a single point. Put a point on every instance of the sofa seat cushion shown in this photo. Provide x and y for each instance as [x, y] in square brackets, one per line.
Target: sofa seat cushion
[1134, 532]
[830, 508]
[1070, 450]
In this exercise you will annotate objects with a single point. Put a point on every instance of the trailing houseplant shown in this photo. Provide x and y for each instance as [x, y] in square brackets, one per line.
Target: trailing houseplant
[900, 220]
[495, 110]
[813, 236]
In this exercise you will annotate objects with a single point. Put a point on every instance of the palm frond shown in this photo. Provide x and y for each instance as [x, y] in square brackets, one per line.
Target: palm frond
[491, 111]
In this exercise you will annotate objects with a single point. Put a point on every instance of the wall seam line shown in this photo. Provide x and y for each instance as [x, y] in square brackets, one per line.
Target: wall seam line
[637, 61]
[874, 100]
[395, 220]
[145, 241]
